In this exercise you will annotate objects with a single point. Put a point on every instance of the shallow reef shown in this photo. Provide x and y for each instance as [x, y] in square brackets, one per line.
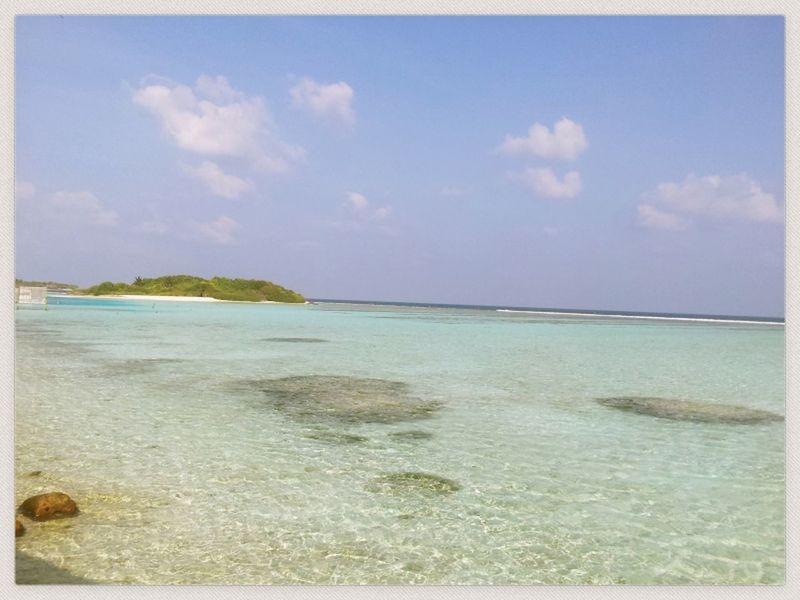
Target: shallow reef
[34, 570]
[690, 410]
[411, 435]
[134, 366]
[296, 340]
[336, 437]
[316, 398]
[411, 483]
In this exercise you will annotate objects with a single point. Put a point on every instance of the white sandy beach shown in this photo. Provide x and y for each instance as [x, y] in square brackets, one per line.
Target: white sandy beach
[175, 299]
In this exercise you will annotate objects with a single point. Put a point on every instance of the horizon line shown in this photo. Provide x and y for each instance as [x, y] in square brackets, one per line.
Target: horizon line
[565, 311]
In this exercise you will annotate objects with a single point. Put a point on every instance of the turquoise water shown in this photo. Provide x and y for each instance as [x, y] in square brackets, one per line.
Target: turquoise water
[190, 464]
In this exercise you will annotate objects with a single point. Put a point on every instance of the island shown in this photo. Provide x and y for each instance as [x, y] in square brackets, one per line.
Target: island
[219, 288]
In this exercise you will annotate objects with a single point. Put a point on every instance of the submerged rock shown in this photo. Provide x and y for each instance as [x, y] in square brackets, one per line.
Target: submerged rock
[686, 410]
[412, 482]
[19, 528]
[134, 366]
[413, 434]
[35, 571]
[296, 340]
[53, 505]
[335, 437]
[345, 399]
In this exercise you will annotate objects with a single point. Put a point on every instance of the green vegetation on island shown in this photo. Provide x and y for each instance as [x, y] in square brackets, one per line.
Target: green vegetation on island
[221, 288]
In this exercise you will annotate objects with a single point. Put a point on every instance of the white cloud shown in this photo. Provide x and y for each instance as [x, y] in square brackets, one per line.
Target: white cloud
[24, 189]
[83, 206]
[216, 120]
[217, 181]
[543, 182]
[359, 205]
[356, 201]
[220, 231]
[567, 141]
[331, 101]
[712, 197]
[650, 216]
[217, 89]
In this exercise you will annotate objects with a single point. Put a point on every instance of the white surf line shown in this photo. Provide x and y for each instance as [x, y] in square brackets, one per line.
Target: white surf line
[697, 319]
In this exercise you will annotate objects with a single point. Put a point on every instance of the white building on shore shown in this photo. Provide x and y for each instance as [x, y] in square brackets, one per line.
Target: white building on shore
[31, 295]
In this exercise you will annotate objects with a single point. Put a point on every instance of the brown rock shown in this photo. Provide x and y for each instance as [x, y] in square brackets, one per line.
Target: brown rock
[19, 528]
[49, 506]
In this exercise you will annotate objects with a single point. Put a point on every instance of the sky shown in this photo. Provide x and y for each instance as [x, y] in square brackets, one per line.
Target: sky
[610, 163]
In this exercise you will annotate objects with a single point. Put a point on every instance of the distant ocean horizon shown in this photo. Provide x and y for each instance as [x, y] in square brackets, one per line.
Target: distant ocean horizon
[564, 311]
[549, 310]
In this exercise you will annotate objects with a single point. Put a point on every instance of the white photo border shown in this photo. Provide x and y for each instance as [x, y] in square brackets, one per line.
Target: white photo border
[789, 9]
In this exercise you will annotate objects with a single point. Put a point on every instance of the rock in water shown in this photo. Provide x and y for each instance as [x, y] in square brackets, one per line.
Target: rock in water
[411, 435]
[686, 410]
[333, 437]
[296, 340]
[411, 482]
[19, 528]
[316, 398]
[53, 505]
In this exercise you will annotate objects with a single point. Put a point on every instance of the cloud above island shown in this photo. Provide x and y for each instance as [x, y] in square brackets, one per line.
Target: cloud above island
[219, 231]
[79, 210]
[214, 120]
[84, 206]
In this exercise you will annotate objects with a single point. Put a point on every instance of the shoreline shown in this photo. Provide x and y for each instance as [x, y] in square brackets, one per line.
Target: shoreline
[174, 298]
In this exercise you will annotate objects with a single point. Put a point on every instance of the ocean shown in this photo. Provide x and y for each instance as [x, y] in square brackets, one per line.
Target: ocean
[352, 443]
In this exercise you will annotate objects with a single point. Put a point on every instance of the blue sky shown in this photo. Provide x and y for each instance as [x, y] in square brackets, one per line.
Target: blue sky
[629, 163]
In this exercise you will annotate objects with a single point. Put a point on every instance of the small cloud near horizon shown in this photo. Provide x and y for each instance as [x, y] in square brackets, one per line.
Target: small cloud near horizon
[219, 231]
[677, 206]
[23, 190]
[83, 206]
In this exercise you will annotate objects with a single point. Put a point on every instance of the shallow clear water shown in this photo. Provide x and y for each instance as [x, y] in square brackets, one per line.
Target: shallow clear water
[154, 417]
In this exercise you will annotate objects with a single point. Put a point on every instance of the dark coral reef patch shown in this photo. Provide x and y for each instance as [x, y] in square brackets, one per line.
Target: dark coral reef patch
[411, 435]
[689, 410]
[412, 483]
[337, 437]
[296, 340]
[343, 399]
